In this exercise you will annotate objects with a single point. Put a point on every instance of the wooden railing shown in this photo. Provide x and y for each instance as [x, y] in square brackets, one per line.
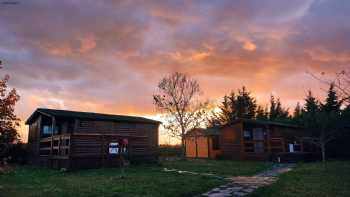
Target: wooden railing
[261, 146]
[57, 145]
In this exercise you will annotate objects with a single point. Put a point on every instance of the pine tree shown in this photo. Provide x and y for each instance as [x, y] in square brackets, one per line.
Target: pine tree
[261, 113]
[323, 120]
[332, 104]
[277, 112]
[233, 106]
[311, 104]
[273, 106]
[297, 114]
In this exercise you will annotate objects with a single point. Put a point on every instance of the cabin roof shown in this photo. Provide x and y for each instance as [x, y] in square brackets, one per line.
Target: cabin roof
[88, 115]
[217, 129]
[202, 131]
[264, 122]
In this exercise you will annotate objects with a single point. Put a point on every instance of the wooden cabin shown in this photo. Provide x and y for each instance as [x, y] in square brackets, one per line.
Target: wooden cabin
[247, 139]
[75, 140]
[202, 143]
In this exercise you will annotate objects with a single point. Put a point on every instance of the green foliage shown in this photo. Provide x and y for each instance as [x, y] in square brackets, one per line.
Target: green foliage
[262, 114]
[298, 114]
[169, 151]
[8, 120]
[323, 120]
[277, 112]
[233, 106]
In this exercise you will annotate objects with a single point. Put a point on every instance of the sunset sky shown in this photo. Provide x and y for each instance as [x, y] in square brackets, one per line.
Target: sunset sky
[108, 57]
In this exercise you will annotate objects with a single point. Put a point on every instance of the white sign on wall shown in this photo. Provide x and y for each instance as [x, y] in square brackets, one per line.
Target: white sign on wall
[113, 148]
[291, 148]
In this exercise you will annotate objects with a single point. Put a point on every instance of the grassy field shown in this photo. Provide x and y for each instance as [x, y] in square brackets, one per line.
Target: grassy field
[139, 181]
[312, 179]
[221, 167]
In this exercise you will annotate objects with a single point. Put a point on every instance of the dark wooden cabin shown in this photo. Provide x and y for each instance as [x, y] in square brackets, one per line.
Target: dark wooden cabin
[75, 140]
[247, 139]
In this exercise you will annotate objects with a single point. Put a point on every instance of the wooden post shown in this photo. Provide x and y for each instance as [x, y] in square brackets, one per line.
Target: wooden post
[103, 150]
[283, 145]
[301, 145]
[59, 145]
[195, 141]
[208, 144]
[52, 131]
[38, 132]
[268, 139]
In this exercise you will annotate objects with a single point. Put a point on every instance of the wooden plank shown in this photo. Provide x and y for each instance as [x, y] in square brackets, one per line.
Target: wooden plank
[52, 132]
[108, 134]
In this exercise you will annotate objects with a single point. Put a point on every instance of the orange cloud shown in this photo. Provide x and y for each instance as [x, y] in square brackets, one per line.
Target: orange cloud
[108, 57]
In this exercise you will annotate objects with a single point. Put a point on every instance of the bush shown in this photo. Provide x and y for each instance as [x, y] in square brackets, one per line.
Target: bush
[16, 153]
[170, 151]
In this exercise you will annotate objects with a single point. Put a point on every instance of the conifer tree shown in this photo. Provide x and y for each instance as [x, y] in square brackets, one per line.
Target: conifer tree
[233, 106]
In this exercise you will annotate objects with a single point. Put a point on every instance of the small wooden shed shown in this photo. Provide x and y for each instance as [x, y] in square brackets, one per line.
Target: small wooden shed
[75, 140]
[202, 143]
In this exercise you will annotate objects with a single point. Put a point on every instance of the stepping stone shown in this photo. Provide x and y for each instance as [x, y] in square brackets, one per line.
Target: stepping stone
[248, 190]
[239, 194]
[218, 195]
[236, 188]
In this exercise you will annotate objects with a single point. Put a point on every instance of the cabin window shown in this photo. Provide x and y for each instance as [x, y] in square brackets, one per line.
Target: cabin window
[258, 134]
[47, 130]
[247, 135]
[216, 142]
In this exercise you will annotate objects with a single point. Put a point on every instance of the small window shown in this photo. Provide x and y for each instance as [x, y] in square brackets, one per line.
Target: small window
[47, 130]
[258, 134]
[247, 135]
[216, 142]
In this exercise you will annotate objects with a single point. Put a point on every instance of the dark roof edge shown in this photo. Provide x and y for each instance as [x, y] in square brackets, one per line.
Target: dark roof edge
[263, 122]
[101, 116]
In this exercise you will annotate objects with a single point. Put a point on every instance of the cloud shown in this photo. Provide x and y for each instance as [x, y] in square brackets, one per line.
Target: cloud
[109, 56]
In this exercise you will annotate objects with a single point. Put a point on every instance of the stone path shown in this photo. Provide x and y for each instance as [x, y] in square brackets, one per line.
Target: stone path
[243, 185]
[192, 173]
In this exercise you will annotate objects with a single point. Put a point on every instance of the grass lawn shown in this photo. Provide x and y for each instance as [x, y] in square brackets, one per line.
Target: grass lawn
[140, 180]
[312, 179]
[221, 167]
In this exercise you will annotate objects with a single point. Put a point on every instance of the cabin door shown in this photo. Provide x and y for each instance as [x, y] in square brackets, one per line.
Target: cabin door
[258, 137]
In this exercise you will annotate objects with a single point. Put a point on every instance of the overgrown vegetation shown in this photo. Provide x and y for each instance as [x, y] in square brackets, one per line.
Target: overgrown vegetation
[312, 179]
[170, 151]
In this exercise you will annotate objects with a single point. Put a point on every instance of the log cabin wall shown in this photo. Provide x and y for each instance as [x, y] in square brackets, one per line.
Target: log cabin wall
[62, 139]
[255, 141]
[144, 136]
[214, 147]
[231, 141]
[34, 140]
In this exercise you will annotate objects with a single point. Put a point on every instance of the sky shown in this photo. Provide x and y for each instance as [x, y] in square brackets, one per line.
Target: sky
[108, 56]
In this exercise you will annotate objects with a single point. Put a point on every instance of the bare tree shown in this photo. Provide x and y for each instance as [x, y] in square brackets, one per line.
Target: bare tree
[177, 99]
[340, 80]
